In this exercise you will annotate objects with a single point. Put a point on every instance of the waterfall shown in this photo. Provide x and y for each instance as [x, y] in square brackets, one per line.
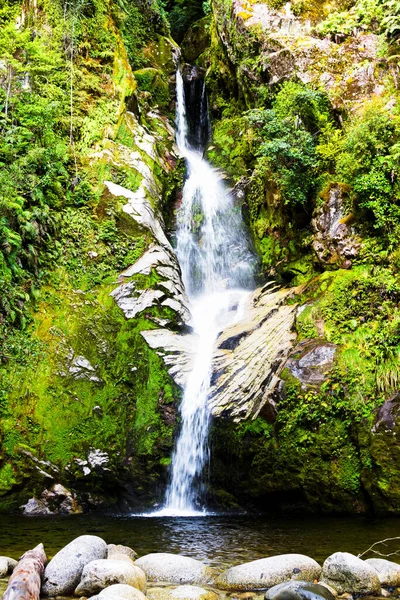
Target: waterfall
[217, 269]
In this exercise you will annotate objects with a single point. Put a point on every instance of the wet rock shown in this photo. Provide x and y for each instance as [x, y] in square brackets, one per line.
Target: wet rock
[196, 40]
[334, 240]
[250, 355]
[7, 565]
[58, 500]
[348, 573]
[174, 568]
[269, 572]
[100, 574]
[35, 507]
[388, 571]
[168, 291]
[64, 571]
[120, 590]
[183, 592]
[119, 552]
[313, 364]
[299, 590]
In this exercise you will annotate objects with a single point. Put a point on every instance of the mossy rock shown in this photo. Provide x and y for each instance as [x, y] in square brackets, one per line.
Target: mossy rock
[197, 39]
[152, 81]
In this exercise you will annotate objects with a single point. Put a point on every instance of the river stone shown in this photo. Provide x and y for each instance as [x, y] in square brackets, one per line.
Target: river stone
[388, 572]
[119, 552]
[183, 592]
[120, 590]
[174, 568]
[7, 565]
[299, 590]
[100, 574]
[348, 573]
[64, 571]
[267, 572]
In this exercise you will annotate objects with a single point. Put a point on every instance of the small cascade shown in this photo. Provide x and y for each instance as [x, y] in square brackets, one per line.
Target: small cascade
[217, 268]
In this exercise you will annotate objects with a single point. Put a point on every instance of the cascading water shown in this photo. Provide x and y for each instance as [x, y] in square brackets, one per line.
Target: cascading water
[217, 268]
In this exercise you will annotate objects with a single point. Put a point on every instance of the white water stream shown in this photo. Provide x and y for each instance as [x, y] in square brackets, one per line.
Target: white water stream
[217, 268]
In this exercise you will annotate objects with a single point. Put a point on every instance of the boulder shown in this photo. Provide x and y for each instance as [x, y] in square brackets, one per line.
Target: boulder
[299, 590]
[183, 592]
[120, 590]
[35, 507]
[388, 571]
[7, 565]
[347, 573]
[119, 552]
[313, 364]
[100, 574]
[268, 572]
[174, 568]
[64, 571]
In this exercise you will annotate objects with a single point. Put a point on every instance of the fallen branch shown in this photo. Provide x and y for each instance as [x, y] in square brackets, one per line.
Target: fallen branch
[26, 580]
[370, 549]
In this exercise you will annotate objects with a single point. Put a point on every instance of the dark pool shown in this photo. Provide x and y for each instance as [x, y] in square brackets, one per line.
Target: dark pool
[216, 540]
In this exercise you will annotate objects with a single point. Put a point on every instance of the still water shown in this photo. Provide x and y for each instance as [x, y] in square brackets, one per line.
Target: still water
[219, 541]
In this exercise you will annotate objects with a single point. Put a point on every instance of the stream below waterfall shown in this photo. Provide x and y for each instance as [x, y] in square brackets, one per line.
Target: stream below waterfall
[220, 541]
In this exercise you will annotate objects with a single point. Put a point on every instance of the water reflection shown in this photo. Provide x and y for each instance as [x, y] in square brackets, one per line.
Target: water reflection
[218, 541]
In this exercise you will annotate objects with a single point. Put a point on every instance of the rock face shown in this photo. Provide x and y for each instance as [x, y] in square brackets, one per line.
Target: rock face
[248, 357]
[168, 290]
[64, 571]
[314, 362]
[288, 47]
[269, 572]
[173, 568]
[183, 592]
[348, 574]
[251, 354]
[299, 590]
[388, 571]
[334, 240]
[100, 574]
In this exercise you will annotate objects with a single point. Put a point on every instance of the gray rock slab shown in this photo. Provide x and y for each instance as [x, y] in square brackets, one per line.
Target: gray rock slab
[347, 573]
[299, 590]
[268, 572]
[174, 568]
[100, 574]
[64, 571]
[388, 571]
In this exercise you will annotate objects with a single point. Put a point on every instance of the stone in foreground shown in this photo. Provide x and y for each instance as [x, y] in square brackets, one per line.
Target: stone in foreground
[173, 568]
[7, 565]
[119, 552]
[388, 571]
[120, 590]
[299, 590]
[268, 572]
[101, 574]
[183, 592]
[64, 571]
[25, 582]
[348, 574]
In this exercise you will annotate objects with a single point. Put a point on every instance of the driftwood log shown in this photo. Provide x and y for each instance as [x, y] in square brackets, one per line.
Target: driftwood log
[26, 580]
